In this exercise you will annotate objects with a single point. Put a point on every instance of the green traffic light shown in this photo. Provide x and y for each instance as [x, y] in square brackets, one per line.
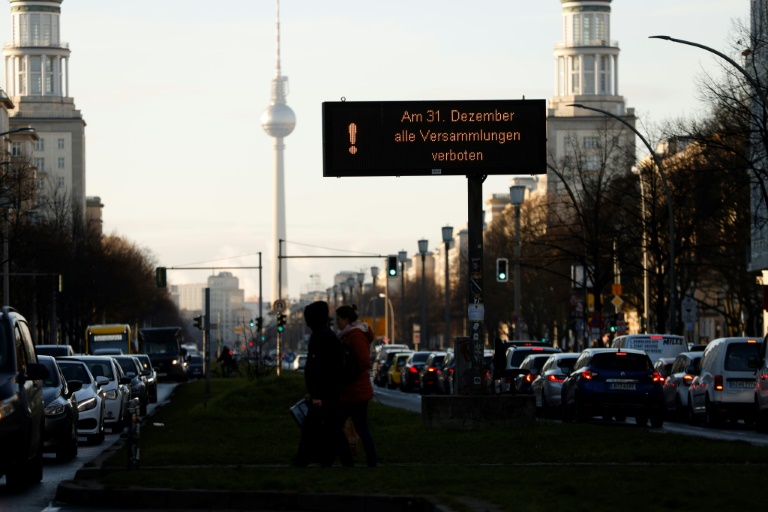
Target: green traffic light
[502, 275]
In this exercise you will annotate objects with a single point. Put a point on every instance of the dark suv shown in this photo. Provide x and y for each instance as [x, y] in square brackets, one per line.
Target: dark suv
[22, 417]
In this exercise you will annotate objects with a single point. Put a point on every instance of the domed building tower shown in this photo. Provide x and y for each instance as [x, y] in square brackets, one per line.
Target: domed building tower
[37, 81]
[586, 72]
[278, 120]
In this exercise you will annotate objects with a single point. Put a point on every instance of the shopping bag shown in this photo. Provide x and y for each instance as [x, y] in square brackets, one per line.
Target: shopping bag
[352, 437]
[299, 411]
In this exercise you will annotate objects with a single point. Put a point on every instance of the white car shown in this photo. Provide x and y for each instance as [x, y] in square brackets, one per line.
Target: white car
[299, 362]
[90, 399]
[685, 367]
[116, 394]
[547, 386]
[725, 386]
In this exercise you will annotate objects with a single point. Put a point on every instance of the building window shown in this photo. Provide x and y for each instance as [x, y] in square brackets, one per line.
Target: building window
[592, 163]
[40, 164]
[576, 30]
[589, 74]
[61, 162]
[40, 184]
[35, 75]
[40, 144]
[591, 142]
[575, 73]
[605, 74]
[16, 149]
[61, 143]
[586, 30]
[60, 182]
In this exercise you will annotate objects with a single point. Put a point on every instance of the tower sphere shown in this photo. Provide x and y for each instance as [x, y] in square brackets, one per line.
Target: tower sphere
[278, 120]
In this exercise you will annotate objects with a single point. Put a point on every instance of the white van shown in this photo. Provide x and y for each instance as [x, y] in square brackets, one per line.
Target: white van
[655, 345]
[725, 386]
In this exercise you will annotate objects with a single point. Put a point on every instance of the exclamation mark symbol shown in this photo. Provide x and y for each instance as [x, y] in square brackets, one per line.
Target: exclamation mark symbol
[352, 137]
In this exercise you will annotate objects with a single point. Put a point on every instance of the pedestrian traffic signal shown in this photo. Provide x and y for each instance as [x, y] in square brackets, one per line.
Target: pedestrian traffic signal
[502, 270]
[160, 277]
[200, 322]
[259, 323]
[392, 265]
[280, 322]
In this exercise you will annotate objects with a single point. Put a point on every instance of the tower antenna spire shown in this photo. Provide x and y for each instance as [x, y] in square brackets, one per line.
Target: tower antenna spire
[277, 32]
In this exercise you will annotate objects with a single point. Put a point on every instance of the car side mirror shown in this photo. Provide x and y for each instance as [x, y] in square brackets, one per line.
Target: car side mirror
[102, 381]
[130, 374]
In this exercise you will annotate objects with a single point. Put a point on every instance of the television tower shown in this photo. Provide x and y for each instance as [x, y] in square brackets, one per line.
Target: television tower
[278, 120]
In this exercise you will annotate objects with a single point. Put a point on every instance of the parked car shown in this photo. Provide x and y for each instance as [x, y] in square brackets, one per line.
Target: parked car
[90, 401]
[445, 379]
[515, 356]
[724, 389]
[547, 387]
[530, 369]
[409, 375]
[299, 362]
[613, 384]
[433, 366]
[684, 369]
[195, 366]
[60, 411]
[136, 372]
[146, 363]
[394, 375]
[54, 350]
[115, 392]
[22, 416]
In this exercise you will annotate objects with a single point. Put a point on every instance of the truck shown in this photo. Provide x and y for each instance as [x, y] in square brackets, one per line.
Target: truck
[163, 346]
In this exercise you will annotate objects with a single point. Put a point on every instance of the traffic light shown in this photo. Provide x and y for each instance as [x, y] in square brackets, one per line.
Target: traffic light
[392, 266]
[280, 322]
[252, 323]
[160, 277]
[502, 270]
[259, 323]
[200, 322]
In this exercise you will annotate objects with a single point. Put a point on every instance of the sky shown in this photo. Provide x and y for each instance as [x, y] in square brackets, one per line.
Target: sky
[172, 92]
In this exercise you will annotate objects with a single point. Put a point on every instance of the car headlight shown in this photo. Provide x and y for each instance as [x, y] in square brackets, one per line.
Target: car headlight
[54, 409]
[8, 406]
[111, 394]
[87, 404]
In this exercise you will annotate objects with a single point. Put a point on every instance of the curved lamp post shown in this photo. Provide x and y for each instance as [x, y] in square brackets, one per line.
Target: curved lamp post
[351, 285]
[517, 198]
[402, 257]
[657, 161]
[343, 286]
[447, 237]
[423, 245]
[360, 279]
[335, 298]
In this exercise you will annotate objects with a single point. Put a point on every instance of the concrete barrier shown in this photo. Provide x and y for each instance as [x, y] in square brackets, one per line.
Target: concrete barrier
[474, 412]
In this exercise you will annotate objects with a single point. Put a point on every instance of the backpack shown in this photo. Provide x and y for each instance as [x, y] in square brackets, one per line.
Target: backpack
[349, 365]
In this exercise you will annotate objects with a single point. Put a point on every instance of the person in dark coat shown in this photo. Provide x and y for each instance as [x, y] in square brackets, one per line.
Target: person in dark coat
[321, 437]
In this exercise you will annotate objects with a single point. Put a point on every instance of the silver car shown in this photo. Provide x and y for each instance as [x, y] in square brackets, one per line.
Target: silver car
[684, 368]
[90, 399]
[116, 393]
[547, 386]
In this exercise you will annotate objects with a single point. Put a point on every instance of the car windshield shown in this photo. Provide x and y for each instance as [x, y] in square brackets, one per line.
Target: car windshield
[145, 362]
[100, 369]
[566, 364]
[419, 357]
[75, 371]
[52, 381]
[621, 361]
[521, 353]
[6, 352]
[126, 364]
[738, 354]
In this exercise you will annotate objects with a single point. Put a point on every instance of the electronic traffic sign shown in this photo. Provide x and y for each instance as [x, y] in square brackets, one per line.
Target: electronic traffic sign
[420, 138]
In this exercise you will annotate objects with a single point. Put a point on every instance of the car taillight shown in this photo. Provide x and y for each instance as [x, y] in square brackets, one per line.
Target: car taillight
[450, 371]
[687, 379]
[555, 378]
[413, 369]
[719, 382]
[656, 376]
[589, 374]
[530, 377]
[431, 369]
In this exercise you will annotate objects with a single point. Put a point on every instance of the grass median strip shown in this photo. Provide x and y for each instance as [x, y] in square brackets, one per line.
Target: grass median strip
[241, 437]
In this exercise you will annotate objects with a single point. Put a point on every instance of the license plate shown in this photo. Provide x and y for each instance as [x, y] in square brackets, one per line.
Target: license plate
[627, 386]
[741, 384]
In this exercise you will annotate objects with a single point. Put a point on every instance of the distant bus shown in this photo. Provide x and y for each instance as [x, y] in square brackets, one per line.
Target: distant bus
[163, 346]
[109, 339]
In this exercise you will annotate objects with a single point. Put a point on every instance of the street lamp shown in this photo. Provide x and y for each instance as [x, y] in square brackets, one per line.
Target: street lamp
[343, 286]
[447, 237]
[672, 288]
[402, 257]
[423, 245]
[335, 299]
[374, 275]
[517, 198]
[351, 284]
[360, 279]
[646, 298]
